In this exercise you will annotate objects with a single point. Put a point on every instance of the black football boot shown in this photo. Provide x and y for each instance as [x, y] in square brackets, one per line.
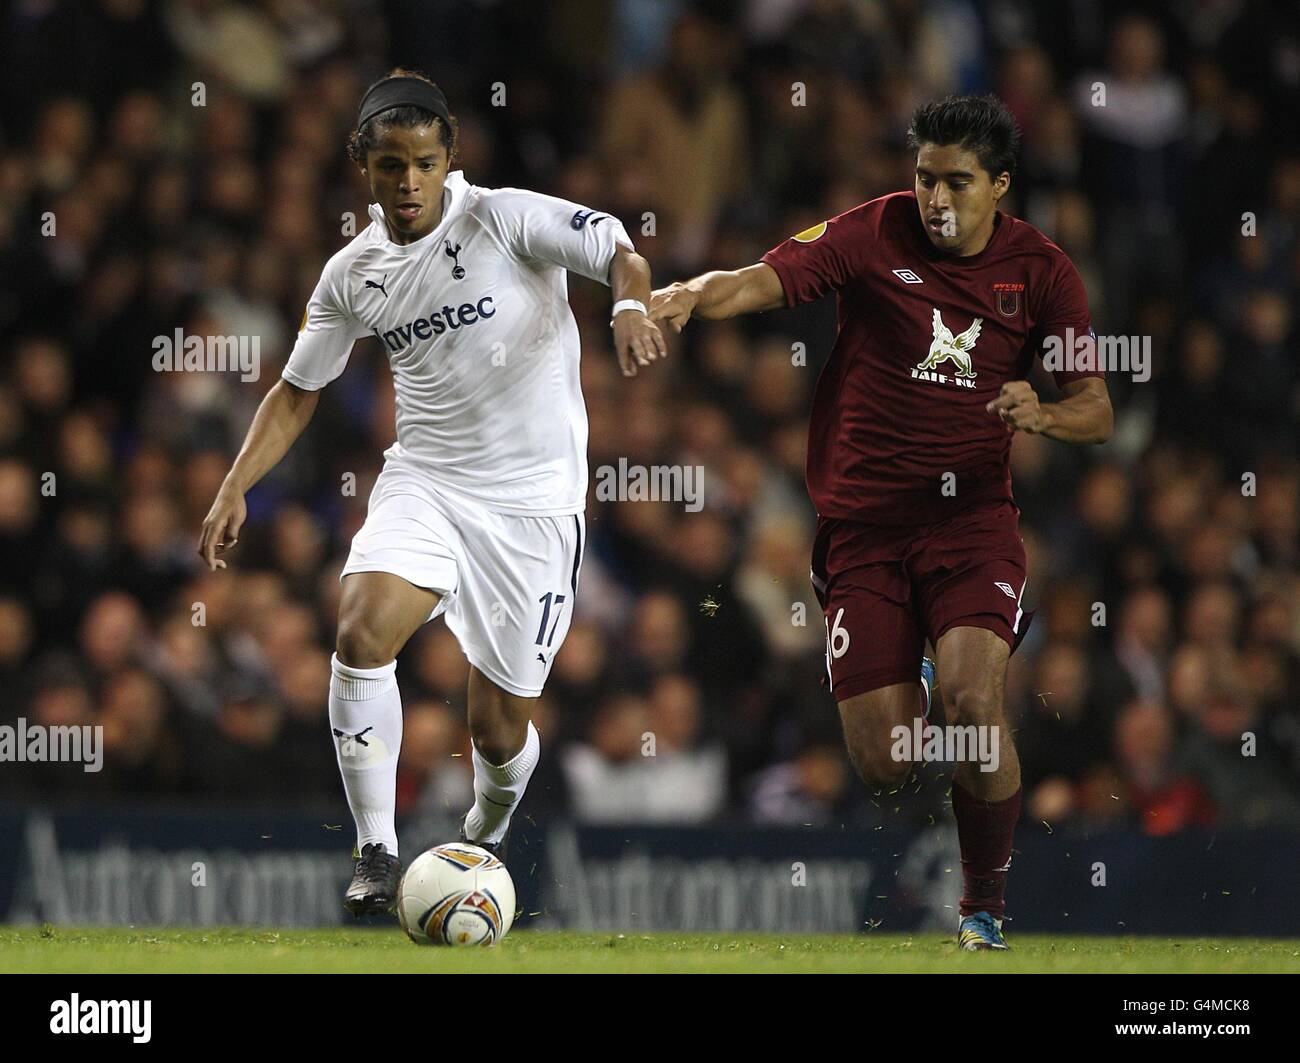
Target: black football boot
[374, 881]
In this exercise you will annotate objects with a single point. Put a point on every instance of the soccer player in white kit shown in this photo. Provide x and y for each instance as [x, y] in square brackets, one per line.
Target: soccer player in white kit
[478, 511]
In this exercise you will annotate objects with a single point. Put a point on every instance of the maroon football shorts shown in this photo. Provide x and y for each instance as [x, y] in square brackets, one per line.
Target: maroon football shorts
[885, 590]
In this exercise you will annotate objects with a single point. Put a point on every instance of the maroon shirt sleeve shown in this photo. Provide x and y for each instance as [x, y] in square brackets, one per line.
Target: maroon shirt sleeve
[823, 258]
[1065, 316]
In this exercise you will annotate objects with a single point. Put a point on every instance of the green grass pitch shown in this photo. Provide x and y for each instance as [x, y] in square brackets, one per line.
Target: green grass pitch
[108, 951]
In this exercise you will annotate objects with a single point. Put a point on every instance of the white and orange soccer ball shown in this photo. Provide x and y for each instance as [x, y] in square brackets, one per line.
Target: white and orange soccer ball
[456, 894]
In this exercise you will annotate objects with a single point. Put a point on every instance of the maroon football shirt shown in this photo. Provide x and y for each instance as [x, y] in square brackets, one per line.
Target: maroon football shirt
[925, 341]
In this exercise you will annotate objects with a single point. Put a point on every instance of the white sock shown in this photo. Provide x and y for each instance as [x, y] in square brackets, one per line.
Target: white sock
[366, 707]
[499, 788]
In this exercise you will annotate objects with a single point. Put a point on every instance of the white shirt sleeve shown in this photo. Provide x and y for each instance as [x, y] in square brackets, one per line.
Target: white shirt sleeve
[325, 340]
[539, 228]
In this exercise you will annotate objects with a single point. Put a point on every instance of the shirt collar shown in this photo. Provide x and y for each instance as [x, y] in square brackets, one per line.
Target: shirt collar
[453, 198]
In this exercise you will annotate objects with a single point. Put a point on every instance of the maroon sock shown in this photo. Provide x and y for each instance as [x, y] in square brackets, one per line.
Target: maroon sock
[984, 830]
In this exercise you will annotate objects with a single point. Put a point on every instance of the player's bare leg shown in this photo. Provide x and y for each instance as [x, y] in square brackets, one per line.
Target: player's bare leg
[869, 720]
[505, 752]
[378, 613]
[972, 666]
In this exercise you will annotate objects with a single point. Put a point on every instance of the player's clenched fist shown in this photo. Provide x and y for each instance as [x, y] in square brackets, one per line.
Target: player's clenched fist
[1018, 407]
[637, 340]
[673, 305]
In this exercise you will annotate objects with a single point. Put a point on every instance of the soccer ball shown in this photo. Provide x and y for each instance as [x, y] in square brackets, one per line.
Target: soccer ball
[456, 894]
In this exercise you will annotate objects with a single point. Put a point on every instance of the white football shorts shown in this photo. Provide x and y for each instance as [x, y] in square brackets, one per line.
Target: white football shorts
[506, 582]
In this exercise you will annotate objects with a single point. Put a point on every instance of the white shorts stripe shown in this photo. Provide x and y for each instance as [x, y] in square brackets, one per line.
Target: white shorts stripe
[1015, 628]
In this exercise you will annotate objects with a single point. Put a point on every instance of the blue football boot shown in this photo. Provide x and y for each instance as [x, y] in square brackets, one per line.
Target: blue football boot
[978, 932]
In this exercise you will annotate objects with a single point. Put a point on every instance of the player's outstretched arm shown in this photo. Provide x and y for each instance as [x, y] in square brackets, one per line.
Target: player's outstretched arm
[637, 339]
[1084, 415]
[717, 295]
[279, 421]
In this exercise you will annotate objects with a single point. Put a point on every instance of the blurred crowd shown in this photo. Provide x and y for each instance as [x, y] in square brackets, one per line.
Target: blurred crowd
[181, 164]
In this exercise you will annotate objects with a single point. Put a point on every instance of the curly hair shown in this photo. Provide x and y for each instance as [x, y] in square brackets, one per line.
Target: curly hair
[363, 140]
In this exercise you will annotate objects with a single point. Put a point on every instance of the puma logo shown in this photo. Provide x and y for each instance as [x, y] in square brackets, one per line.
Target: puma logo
[380, 285]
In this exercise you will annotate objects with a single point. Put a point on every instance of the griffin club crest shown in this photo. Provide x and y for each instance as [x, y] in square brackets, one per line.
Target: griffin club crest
[946, 347]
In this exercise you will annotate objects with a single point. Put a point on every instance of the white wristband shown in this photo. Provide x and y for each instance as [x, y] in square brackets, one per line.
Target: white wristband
[625, 304]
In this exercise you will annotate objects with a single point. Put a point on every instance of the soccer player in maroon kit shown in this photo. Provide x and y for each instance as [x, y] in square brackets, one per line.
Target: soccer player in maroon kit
[944, 301]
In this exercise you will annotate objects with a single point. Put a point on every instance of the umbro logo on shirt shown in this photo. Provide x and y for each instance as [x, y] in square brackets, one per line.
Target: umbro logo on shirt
[907, 276]
[380, 285]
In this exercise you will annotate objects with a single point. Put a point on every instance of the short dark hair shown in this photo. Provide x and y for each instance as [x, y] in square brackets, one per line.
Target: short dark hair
[982, 124]
[362, 140]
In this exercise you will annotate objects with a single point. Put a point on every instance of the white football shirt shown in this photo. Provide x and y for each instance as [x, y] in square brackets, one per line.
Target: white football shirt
[484, 349]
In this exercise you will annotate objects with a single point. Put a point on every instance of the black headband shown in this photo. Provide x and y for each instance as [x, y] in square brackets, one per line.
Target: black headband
[403, 92]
